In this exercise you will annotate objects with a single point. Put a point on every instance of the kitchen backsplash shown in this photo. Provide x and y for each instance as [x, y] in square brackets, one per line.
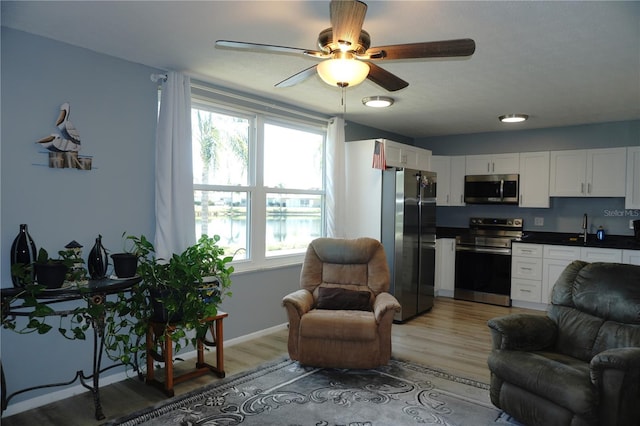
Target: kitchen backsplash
[564, 215]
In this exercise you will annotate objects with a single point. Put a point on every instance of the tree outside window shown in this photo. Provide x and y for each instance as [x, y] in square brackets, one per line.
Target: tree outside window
[260, 212]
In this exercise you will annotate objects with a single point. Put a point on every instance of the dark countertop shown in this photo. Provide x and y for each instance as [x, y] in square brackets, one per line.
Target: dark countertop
[573, 239]
[447, 232]
[557, 238]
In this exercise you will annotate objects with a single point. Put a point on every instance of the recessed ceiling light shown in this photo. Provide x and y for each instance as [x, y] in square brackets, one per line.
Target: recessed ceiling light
[513, 118]
[378, 101]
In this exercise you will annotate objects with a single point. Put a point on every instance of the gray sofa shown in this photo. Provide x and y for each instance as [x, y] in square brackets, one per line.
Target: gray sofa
[579, 364]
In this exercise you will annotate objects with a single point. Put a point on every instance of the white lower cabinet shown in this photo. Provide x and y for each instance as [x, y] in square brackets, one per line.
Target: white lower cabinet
[631, 256]
[535, 268]
[526, 272]
[594, 254]
[554, 260]
[445, 266]
[526, 290]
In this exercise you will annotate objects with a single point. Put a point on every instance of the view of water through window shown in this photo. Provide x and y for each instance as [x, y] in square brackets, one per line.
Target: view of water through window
[225, 187]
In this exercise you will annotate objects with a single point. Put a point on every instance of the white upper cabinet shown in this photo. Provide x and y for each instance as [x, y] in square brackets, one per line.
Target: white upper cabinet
[588, 173]
[493, 163]
[456, 185]
[441, 165]
[450, 179]
[632, 198]
[401, 155]
[534, 179]
[606, 172]
[567, 174]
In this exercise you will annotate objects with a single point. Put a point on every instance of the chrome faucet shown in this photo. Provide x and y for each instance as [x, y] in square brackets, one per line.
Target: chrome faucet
[584, 228]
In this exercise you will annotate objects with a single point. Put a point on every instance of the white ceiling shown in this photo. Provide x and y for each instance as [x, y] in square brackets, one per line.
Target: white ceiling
[563, 63]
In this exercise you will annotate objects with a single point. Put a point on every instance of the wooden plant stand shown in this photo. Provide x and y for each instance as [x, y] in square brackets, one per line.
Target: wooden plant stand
[165, 355]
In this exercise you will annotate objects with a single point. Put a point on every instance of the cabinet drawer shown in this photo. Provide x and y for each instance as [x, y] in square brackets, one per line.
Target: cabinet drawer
[591, 254]
[561, 252]
[631, 256]
[527, 250]
[526, 267]
[526, 290]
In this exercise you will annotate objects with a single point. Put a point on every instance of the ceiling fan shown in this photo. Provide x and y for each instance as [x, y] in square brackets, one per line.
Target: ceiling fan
[347, 59]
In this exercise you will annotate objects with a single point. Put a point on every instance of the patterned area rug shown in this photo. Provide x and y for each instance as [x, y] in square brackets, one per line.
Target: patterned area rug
[286, 393]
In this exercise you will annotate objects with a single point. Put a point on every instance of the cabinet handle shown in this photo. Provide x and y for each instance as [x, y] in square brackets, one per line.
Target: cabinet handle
[493, 167]
[589, 188]
[447, 198]
[525, 269]
[582, 188]
[525, 291]
[461, 199]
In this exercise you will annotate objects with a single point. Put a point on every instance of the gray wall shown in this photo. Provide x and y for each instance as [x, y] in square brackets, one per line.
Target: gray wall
[565, 214]
[356, 132]
[113, 106]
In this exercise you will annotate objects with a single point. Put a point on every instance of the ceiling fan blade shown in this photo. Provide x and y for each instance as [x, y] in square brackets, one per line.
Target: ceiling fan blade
[298, 78]
[430, 49]
[269, 48]
[385, 79]
[347, 18]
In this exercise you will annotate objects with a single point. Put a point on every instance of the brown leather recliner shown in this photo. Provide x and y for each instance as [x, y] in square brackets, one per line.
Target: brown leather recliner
[579, 364]
[342, 315]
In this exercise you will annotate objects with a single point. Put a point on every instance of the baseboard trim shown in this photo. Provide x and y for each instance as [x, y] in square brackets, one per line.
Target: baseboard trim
[61, 394]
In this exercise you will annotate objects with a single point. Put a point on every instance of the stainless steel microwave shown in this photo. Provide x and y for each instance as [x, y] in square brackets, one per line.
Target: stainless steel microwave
[491, 189]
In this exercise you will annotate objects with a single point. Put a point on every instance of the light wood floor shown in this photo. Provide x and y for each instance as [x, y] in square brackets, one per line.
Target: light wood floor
[452, 337]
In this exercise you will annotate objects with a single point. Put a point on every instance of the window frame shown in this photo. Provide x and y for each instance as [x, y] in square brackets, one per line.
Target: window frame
[257, 258]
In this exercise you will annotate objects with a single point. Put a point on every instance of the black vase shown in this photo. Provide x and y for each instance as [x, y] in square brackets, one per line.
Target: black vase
[98, 260]
[23, 250]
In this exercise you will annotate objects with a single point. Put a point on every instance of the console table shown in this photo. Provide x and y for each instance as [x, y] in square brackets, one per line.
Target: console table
[94, 293]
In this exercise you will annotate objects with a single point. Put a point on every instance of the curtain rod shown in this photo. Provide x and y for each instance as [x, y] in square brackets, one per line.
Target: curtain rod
[202, 86]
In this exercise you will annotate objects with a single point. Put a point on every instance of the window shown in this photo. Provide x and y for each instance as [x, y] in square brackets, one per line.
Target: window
[258, 182]
[293, 177]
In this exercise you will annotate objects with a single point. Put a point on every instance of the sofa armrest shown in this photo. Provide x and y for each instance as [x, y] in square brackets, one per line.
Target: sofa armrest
[383, 303]
[296, 304]
[626, 360]
[616, 375]
[524, 332]
[300, 300]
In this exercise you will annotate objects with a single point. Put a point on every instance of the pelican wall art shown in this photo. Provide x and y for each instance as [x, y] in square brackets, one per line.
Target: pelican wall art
[64, 146]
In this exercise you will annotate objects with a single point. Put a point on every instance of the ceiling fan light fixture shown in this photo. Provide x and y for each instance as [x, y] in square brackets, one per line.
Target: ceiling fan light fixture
[378, 101]
[343, 72]
[513, 118]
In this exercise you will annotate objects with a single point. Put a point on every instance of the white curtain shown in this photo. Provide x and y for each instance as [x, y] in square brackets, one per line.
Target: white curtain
[175, 217]
[335, 189]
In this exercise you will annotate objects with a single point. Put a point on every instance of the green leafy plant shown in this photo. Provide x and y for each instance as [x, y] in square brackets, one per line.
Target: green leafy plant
[188, 287]
[76, 272]
[36, 311]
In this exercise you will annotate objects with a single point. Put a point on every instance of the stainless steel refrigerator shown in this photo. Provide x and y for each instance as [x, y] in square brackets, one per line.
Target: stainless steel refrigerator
[408, 234]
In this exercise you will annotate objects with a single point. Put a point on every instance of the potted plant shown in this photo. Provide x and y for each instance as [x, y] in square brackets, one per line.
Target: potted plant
[182, 290]
[50, 273]
[125, 262]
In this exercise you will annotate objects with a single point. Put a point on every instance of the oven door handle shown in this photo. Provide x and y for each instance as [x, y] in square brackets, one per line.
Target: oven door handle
[493, 250]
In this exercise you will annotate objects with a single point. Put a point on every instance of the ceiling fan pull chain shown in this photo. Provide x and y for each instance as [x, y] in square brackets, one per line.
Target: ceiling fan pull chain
[344, 102]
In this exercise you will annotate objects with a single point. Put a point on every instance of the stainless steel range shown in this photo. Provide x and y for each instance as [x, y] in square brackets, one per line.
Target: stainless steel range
[483, 260]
